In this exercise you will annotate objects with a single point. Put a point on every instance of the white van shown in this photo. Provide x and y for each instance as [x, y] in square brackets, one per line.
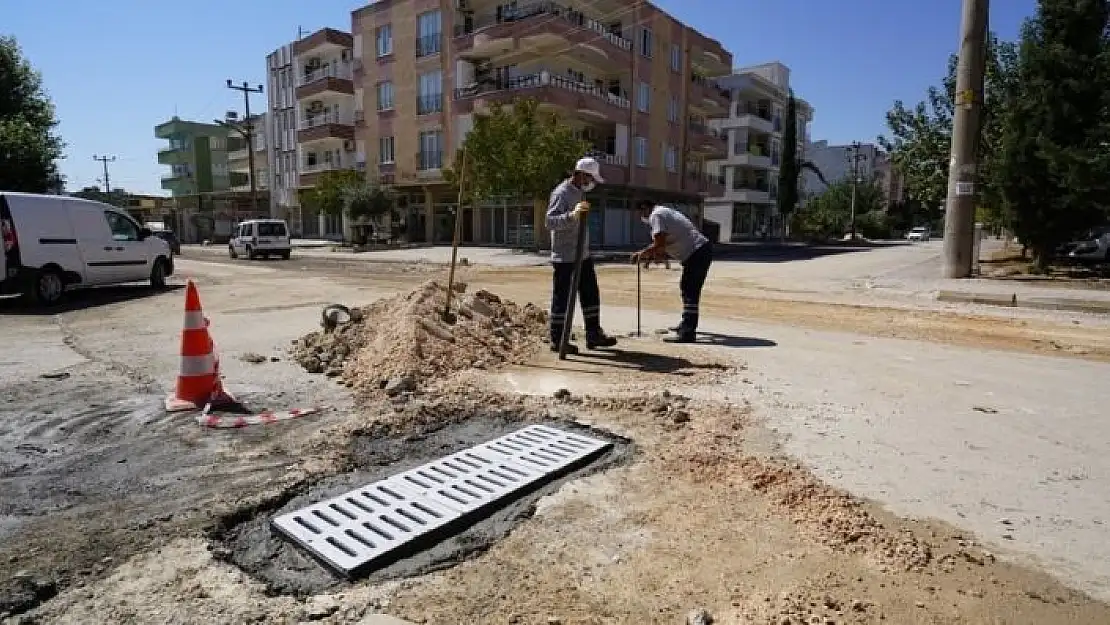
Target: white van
[53, 242]
[260, 237]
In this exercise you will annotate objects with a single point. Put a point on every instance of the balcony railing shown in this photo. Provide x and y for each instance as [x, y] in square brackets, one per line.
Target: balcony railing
[320, 119]
[710, 85]
[699, 127]
[427, 104]
[341, 71]
[528, 10]
[429, 162]
[429, 44]
[319, 166]
[543, 78]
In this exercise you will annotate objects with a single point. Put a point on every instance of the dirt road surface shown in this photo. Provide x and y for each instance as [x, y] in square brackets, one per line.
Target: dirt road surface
[741, 500]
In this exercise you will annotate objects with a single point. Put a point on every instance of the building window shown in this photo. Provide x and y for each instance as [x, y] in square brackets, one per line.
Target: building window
[676, 58]
[385, 96]
[647, 42]
[670, 158]
[385, 40]
[641, 152]
[672, 109]
[385, 151]
[643, 97]
[429, 33]
[431, 150]
[429, 97]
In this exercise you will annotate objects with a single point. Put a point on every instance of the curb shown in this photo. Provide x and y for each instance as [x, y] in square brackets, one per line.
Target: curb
[1097, 307]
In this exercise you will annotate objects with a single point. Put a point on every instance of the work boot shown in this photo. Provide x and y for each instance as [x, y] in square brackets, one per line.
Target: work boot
[598, 339]
[682, 337]
[572, 349]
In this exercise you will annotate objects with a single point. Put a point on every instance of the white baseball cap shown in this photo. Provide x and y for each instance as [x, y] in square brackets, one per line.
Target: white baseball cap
[590, 166]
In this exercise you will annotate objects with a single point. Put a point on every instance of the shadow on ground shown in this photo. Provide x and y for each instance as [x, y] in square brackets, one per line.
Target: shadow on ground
[81, 299]
[648, 363]
[726, 340]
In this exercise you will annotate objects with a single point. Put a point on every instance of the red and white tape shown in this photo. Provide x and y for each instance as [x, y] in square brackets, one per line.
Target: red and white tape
[212, 420]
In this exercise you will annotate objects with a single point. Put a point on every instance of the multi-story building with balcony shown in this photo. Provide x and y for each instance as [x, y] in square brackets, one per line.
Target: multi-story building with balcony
[627, 77]
[325, 95]
[197, 154]
[746, 206]
[239, 158]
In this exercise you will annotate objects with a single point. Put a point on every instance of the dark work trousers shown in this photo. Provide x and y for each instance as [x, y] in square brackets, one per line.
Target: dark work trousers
[589, 298]
[694, 271]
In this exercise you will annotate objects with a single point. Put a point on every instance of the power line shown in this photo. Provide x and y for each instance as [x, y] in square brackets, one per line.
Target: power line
[104, 160]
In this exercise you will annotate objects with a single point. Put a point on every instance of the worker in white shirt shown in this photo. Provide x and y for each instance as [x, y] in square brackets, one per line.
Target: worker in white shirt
[674, 235]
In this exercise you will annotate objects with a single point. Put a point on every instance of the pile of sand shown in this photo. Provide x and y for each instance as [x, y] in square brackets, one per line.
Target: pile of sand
[397, 344]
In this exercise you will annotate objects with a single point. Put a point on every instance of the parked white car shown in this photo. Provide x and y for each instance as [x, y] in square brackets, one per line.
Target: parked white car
[920, 233]
[260, 238]
[54, 242]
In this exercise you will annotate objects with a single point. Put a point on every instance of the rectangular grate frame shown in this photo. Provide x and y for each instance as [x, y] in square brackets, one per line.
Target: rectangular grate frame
[362, 525]
[352, 532]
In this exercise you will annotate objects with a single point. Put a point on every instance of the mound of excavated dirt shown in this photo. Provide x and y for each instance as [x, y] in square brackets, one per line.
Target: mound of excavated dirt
[398, 343]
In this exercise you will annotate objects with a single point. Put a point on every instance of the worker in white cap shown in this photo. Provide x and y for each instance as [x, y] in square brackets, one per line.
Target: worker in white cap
[565, 210]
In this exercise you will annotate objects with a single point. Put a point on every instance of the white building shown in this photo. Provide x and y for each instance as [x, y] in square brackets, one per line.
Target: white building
[754, 129]
[835, 163]
[281, 132]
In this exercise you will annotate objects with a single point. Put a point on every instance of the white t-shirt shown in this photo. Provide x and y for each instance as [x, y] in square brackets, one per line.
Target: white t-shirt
[683, 237]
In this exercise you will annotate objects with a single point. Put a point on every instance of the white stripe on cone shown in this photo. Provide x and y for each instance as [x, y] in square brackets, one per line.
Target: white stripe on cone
[194, 320]
[198, 365]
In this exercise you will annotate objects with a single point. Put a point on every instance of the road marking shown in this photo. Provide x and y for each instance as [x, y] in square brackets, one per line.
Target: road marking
[353, 532]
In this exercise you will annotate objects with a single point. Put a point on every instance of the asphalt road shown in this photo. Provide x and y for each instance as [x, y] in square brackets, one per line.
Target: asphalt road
[1013, 448]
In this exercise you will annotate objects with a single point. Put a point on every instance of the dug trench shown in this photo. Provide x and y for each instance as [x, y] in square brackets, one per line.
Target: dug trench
[248, 541]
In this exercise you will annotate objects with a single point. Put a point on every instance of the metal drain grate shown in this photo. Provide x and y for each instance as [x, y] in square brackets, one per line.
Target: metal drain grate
[352, 532]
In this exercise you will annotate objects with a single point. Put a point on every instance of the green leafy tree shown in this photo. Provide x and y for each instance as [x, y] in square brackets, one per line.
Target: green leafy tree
[920, 137]
[515, 151]
[829, 214]
[367, 201]
[788, 169]
[328, 196]
[29, 148]
[1054, 165]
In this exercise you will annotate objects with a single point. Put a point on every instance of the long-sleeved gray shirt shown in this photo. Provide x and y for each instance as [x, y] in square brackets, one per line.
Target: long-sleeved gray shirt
[563, 225]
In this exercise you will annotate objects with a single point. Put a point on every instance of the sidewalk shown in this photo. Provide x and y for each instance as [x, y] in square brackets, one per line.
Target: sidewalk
[1017, 294]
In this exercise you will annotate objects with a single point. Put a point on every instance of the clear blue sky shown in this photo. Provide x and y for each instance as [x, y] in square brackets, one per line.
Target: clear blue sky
[116, 68]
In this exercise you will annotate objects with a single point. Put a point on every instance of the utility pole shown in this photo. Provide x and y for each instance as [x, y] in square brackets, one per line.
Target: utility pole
[854, 155]
[959, 216]
[104, 160]
[246, 128]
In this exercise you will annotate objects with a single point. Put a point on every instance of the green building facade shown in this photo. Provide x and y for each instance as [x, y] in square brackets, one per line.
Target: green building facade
[197, 157]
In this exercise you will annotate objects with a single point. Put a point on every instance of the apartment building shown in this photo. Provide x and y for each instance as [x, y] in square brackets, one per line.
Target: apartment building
[197, 154]
[746, 206]
[397, 96]
[239, 157]
[281, 133]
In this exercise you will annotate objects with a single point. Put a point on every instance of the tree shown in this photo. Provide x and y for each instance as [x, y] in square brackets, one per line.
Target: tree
[788, 170]
[29, 149]
[829, 214]
[920, 138]
[791, 168]
[328, 196]
[1054, 166]
[516, 151]
[367, 201]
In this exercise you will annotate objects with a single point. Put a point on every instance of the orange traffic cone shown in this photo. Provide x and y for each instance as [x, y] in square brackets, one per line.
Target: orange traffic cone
[198, 383]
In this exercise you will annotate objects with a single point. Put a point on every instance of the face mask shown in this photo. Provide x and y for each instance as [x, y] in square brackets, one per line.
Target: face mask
[589, 186]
